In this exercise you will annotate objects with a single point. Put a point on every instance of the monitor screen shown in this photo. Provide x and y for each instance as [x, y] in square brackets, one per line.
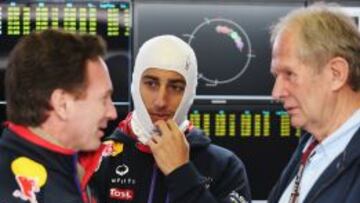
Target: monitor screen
[111, 20]
[354, 12]
[233, 104]
[258, 132]
[230, 40]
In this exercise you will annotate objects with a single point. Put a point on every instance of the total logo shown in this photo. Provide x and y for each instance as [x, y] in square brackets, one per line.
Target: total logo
[122, 194]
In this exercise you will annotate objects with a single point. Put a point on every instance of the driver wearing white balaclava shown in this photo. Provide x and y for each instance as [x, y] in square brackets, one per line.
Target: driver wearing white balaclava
[165, 52]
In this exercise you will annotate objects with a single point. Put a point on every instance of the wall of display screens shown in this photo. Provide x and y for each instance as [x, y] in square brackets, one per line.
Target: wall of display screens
[112, 20]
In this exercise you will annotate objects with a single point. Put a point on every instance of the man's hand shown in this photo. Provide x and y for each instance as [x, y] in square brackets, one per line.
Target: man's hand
[170, 148]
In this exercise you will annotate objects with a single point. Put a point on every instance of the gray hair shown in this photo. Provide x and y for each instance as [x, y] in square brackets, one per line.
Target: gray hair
[323, 31]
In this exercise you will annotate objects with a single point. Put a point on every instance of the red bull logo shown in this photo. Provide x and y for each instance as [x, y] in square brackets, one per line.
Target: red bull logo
[30, 176]
[112, 148]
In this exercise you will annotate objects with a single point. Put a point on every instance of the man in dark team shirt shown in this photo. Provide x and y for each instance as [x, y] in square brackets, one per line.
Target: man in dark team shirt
[156, 155]
[58, 94]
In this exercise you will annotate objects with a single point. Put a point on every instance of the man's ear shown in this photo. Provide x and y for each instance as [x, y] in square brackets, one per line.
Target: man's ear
[339, 70]
[60, 101]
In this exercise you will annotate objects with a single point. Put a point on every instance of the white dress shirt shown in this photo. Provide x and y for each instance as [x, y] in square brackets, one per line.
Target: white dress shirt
[322, 156]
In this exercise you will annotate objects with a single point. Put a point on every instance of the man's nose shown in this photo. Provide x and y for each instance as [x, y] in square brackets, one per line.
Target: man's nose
[278, 91]
[161, 98]
[111, 111]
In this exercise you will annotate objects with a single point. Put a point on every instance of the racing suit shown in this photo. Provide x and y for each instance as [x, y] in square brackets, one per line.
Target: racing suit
[128, 172]
[36, 171]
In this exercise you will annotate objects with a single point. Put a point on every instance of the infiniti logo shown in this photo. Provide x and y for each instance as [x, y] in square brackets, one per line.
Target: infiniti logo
[122, 170]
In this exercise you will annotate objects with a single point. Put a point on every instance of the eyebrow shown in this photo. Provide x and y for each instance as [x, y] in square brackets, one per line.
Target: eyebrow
[150, 77]
[181, 81]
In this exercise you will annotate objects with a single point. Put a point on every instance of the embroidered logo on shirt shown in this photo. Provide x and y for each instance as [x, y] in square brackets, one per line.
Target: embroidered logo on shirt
[30, 176]
[123, 181]
[122, 194]
[112, 148]
[122, 176]
[122, 170]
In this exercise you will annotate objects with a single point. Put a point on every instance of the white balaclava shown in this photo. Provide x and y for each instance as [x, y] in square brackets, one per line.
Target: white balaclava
[165, 52]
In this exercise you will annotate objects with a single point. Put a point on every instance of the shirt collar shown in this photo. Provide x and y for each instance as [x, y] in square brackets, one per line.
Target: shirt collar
[338, 140]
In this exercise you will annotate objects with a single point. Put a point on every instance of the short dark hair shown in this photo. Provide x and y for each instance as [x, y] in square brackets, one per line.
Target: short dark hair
[42, 62]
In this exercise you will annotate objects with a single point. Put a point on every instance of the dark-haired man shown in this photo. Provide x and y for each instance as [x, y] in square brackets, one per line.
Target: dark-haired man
[58, 94]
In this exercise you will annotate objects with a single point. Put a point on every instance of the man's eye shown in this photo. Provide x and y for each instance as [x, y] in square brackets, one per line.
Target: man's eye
[178, 88]
[151, 84]
[289, 74]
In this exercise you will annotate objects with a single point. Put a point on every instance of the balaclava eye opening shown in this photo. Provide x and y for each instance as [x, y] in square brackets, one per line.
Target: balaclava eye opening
[165, 52]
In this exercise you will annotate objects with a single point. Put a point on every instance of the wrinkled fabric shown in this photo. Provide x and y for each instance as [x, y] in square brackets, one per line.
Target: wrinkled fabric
[165, 52]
